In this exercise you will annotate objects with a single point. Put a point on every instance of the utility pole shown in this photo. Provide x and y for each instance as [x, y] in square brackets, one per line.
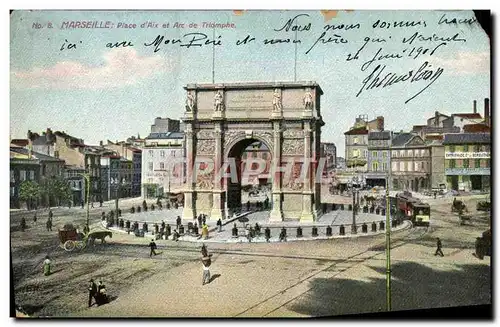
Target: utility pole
[295, 60]
[213, 57]
[388, 243]
[354, 229]
[86, 176]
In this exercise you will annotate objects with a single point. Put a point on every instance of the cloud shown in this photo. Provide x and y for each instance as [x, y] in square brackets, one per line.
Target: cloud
[465, 63]
[122, 67]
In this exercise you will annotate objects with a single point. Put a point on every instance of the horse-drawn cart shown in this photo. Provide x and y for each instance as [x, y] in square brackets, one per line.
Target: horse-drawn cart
[70, 239]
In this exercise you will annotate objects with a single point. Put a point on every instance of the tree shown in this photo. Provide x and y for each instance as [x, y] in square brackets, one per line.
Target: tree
[29, 191]
[57, 191]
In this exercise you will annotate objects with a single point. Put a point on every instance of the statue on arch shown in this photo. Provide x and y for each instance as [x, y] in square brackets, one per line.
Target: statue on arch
[308, 101]
[219, 101]
[190, 101]
[277, 100]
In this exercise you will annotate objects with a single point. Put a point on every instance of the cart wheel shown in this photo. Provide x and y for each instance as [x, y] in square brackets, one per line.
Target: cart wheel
[80, 245]
[69, 245]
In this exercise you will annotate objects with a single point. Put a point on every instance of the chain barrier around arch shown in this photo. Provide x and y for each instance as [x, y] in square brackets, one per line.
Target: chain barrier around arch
[263, 232]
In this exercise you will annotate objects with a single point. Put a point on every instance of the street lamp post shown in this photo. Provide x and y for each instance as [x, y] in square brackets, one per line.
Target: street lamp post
[354, 229]
[388, 243]
[86, 176]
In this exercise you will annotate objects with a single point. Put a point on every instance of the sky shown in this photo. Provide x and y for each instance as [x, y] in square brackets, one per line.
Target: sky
[97, 93]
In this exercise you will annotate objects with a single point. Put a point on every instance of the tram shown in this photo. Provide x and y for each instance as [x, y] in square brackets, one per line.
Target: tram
[413, 208]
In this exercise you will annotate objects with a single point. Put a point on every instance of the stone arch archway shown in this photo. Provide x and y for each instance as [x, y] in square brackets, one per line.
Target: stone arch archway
[284, 116]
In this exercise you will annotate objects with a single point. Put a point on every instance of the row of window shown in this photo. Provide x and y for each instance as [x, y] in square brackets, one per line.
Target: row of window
[376, 165]
[23, 175]
[410, 166]
[162, 153]
[467, 148]
[467, 163]
[410, 153]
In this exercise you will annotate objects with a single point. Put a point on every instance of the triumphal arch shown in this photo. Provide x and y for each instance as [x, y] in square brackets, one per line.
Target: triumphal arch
[222, 119]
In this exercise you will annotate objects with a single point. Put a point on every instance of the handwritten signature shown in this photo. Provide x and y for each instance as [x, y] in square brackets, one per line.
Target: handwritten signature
[375, 80]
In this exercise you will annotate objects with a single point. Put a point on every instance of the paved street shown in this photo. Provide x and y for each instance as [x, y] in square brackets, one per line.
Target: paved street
[293, 279]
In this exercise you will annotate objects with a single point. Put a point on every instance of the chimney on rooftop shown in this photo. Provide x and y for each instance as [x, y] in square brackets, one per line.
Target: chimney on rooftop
[487, 111]
[475, 106]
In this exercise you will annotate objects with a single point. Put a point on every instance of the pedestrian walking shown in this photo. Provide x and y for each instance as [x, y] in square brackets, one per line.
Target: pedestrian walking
[219, 224]
[267, 233]
[178, 221]
[204, 231]
[247, 234]
[51, 214]
[439, 247]
[46, 266]
[49, 225]
[34, 218]
[204, 219]
[204, 251]
[152, 246]
[199, 220]
[206, 261]
[92, 291]
[23, 224]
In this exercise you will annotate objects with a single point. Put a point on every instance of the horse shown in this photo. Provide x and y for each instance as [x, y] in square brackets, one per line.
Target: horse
[99, 235]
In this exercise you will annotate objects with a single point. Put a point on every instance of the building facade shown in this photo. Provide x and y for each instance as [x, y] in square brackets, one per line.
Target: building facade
[467, 161]
[410, 163]
[438, 177]
[137, 172]
[329, 152]
[73, 151]
[165, 125]
[356, 149]
[21, 168]
[29, 165]
[162, 164]
[379, 158]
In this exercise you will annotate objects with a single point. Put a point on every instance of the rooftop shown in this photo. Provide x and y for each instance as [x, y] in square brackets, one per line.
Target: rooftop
[357, 131]
[468, 115]
[169, 135]
[476, 128]
[402, 138]
[34, 155]
[467, 138]
[384, 135]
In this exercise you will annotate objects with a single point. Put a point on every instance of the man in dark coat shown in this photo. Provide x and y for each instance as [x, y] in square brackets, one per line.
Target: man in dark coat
[34, 218]
[49, 224]
[23, 224]
[219, 224]
[92, 291]
[200, 220]
[152, 246]
[51, 214]
[439, 247]
[178, 221]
